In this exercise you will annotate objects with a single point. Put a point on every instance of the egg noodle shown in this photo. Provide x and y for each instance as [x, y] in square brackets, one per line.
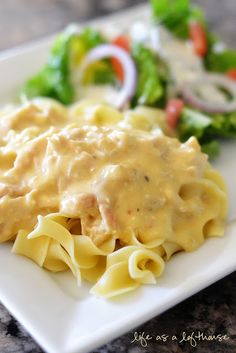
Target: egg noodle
[110, 196]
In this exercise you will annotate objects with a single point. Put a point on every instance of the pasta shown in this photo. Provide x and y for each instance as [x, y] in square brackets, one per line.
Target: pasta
[102, 193]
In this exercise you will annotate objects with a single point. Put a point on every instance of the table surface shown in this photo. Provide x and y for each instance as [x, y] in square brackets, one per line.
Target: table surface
[213, 310]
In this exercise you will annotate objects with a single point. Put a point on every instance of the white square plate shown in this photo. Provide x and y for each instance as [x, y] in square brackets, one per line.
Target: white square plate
[65, 319]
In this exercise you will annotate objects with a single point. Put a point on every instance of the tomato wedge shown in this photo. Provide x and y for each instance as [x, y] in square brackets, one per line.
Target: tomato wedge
[174, 109]
[122, 42]
[199, 38]
[231, 74]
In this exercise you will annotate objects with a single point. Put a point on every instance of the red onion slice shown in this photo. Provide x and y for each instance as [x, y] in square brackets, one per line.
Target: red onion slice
[130, 75]
[189, 92]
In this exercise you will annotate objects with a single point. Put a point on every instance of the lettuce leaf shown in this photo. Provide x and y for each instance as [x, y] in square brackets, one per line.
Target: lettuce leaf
[223, 125]
[176, 15]
[207, 129]
[90, 38]
[152, 76]
[54, 79]
[220, 61]
[193, 123]
[211, 148]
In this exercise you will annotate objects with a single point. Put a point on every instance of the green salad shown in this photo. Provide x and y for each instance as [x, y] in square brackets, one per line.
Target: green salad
[173, 62]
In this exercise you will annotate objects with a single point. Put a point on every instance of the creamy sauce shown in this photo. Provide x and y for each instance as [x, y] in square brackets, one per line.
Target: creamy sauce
[118, 182]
